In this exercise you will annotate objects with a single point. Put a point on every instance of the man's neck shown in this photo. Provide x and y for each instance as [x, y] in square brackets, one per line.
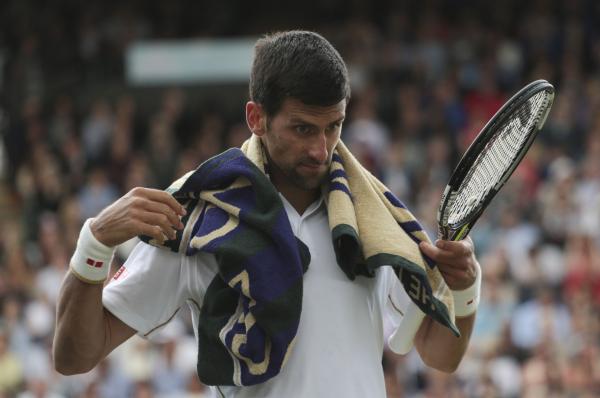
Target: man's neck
[298, 198]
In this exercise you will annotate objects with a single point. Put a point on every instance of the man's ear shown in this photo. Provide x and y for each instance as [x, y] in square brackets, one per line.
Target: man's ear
[256, 118]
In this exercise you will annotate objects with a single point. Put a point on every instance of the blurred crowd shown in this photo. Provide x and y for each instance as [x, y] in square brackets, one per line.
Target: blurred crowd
[425, 79]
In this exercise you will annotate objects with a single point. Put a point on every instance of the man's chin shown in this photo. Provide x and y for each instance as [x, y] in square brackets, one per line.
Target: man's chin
[308, 183]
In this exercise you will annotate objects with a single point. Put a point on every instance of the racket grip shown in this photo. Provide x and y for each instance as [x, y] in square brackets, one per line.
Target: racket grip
[402, 340]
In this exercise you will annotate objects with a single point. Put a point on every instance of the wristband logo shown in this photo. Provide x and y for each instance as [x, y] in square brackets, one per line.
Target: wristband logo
[92, 263]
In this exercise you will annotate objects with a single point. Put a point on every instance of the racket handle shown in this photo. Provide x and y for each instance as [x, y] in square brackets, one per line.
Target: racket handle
[402, 340]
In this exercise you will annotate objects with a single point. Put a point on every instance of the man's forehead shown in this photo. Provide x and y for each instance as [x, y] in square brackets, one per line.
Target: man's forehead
[295, 109]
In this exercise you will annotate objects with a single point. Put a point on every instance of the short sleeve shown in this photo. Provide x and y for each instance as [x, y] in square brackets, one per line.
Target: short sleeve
[148, 290]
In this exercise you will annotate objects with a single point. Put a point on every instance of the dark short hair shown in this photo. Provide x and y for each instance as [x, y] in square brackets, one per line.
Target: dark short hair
[297, 64]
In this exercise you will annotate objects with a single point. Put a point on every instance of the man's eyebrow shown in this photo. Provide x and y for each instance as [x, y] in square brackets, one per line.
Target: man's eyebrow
[299, 120]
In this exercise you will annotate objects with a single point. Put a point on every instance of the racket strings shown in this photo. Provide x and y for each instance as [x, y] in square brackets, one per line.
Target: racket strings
[498, 157]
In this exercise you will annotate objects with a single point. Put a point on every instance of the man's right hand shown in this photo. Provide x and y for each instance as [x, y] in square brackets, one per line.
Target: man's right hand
[141, 211]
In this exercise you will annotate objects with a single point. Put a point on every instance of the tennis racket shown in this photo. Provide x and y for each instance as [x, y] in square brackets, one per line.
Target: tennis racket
[480, 174]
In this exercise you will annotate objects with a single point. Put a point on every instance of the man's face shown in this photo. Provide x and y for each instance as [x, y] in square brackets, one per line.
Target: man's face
[300, 139]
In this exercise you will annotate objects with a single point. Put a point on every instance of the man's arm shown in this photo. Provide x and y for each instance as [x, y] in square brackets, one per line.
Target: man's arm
[438, 347]
[85, 331]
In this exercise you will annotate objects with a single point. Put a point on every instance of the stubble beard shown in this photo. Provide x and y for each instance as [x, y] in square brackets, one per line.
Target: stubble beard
[306, 183]
[295, 178]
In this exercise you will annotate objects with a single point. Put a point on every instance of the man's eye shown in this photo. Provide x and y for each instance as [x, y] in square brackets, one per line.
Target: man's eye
[302, 129]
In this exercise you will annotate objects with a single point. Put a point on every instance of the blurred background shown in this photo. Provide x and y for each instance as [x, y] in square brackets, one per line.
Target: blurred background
[98, 97]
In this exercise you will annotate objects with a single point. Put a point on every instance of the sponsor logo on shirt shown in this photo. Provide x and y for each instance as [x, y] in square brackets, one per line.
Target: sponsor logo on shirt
[120, 272]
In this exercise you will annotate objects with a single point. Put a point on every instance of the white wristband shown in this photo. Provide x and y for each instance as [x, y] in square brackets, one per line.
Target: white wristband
[466, 301]
[91, 260]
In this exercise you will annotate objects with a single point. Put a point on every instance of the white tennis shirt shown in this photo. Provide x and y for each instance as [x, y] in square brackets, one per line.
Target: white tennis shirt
[340, 338]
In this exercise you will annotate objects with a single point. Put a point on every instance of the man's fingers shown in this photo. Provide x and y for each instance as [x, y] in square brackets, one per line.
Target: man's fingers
[446, 252]
[154, 231]
[450, 263]
[163, 197]
[463, 247]
[141, 211]
[459, 248]
[435, 253]
[160, 220]
[455, 260]
[161, 208]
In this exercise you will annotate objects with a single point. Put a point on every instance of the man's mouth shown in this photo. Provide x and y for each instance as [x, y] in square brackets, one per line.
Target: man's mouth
[312, 166]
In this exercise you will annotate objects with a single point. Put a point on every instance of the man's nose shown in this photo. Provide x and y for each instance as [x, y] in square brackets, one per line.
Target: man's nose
[318, 149]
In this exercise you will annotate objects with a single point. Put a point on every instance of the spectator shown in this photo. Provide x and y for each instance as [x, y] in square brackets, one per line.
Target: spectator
[11, 368]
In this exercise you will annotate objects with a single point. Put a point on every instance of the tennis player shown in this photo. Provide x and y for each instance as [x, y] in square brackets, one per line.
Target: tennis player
[278, 312]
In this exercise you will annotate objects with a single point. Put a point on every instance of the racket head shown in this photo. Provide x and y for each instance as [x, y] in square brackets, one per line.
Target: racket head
[492, 157]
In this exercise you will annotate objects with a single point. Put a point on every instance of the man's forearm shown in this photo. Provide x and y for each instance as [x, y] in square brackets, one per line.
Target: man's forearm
[80, 335]
[439, 347]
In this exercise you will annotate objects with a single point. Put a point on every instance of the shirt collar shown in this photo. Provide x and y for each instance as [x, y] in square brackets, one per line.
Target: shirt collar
[314, 207]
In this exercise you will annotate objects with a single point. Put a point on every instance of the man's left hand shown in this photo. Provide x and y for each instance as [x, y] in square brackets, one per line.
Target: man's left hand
[455, 260]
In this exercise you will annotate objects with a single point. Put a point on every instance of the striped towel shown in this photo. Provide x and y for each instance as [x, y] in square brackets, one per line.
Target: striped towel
[251, 309]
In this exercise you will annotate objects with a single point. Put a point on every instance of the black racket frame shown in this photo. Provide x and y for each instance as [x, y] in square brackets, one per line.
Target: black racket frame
[460, 231]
